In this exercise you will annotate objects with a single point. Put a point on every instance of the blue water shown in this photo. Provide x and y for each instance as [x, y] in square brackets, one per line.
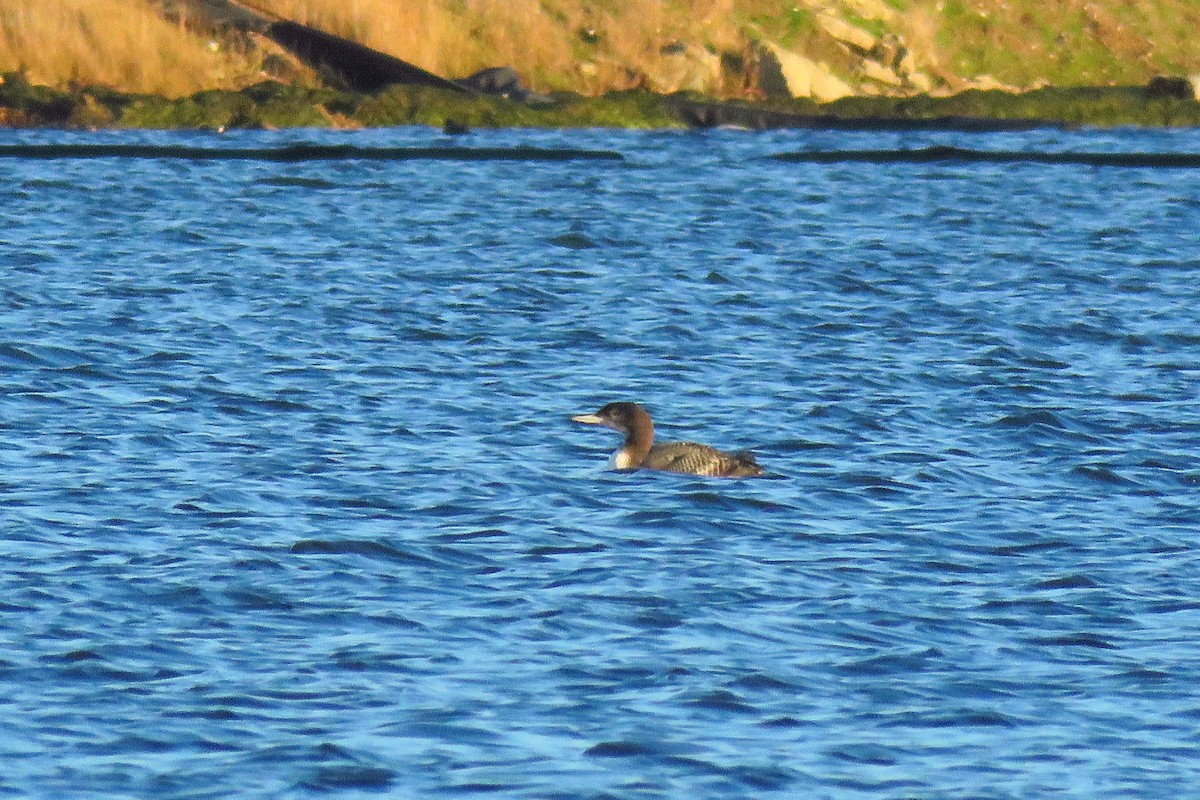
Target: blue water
[291, 505]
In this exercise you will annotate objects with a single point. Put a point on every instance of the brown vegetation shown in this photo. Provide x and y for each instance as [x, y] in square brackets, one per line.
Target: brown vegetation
[556, 44]
[115, 43]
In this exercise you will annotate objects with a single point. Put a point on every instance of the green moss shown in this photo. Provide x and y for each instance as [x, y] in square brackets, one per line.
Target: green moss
[1092, 106]
[267, 105]
[409, 105]
[423, 106]
[288, 115]
[627, 109]
[271, 105]
[158, 112]
[90, 113]
[279, 105]
[224, 109]
[874, 27]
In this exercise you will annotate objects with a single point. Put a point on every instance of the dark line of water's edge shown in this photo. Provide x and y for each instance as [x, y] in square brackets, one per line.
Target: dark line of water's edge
[303, 152]
[967, 156]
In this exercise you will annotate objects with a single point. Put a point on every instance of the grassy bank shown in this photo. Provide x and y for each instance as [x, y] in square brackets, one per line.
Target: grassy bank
[158, 63]
[595, 46]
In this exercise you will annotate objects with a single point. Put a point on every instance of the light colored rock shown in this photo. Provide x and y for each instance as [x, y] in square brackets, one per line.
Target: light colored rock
[827, 87]
[1194, 80]
[877, 72]
[685, 68]
[783, 73]
[845, 32]
[920, 82]
[987, 83]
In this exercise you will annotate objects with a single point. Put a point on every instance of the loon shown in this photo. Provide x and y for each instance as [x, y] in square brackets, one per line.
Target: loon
[639, 450]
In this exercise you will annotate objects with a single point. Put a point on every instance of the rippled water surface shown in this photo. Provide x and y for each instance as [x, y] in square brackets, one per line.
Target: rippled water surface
[291, 505]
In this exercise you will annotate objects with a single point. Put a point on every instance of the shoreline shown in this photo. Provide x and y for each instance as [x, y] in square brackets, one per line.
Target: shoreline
[274, 105]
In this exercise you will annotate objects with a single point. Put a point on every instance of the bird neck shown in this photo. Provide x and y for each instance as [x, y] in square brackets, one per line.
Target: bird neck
[638, 441]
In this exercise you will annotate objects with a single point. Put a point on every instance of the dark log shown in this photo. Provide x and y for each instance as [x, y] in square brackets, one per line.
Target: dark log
[363, 69]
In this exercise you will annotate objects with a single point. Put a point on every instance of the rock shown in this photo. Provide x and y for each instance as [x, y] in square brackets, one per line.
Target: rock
[947, 84]
[736, 115]
[503, 81]
[920, 82]
[783, 73]
[844, 32]
[495, 80]
[685, 68]
[874, 71]
[1171, 86]
[986, 83]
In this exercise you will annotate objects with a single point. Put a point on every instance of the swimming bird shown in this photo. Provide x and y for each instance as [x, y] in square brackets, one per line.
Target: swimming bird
[640, 452]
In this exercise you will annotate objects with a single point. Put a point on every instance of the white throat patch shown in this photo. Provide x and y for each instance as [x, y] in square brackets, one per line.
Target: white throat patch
[622, 460]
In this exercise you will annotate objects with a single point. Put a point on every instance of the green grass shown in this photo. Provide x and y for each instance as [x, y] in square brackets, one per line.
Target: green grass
[875, 27]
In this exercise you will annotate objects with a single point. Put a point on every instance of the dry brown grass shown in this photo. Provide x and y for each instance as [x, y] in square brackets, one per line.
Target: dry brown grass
[543, 39]
[452, 39]
[920, 26]
[117, 43]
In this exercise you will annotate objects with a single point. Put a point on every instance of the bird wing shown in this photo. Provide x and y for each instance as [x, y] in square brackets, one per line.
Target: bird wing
[699, 459]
